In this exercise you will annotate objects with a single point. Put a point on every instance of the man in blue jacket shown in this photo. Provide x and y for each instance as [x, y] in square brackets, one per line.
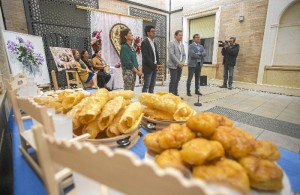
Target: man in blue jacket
[230, 53]
[195, 62]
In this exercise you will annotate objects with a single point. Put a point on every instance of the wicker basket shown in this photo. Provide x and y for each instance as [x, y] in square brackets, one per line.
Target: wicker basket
[154, 125]
[122, 141]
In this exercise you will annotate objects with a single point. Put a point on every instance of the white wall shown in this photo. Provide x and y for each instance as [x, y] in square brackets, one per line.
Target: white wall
[287, 50]
[276, 9]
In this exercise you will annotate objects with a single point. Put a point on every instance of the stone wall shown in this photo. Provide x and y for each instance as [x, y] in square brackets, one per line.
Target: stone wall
[249, 33]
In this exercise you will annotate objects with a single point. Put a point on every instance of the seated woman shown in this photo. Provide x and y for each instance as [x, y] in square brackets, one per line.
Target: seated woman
[99, 65]
[84, 72]
[84, 55]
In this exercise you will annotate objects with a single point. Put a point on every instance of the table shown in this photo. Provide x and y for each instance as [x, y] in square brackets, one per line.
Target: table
[27, 182]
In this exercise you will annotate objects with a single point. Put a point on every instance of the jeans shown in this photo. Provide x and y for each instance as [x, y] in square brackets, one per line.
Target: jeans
[228, 69]
[175, 75]
[197, 71]
[149, 82]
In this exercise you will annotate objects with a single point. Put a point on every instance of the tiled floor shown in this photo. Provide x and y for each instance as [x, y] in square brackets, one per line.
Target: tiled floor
[265, 101]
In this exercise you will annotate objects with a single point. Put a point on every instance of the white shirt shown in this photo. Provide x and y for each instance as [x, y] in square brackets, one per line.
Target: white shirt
[179, 47]
[153, 48]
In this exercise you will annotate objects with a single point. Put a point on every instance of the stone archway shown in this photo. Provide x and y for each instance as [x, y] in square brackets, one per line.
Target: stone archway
[287, 50]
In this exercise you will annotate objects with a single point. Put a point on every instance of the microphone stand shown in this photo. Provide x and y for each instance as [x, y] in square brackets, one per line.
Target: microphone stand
[198, 103]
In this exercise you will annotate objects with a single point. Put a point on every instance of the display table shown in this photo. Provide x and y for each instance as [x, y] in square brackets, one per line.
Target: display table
[26, 180]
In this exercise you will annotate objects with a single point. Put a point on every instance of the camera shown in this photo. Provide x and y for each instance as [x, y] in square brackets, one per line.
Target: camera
[223, 43]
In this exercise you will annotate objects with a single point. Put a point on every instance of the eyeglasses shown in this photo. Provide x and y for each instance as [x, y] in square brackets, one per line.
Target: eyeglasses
[152, 30]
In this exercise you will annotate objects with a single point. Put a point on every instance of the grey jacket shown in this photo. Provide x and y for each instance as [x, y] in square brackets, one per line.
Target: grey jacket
[195, 55]
[174, 55]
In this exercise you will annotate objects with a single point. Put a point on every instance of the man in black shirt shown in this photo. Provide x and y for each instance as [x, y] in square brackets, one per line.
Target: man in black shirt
[230, 53]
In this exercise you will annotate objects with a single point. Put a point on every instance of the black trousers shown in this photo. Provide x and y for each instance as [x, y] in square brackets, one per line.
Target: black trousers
[175, 75]
[197, 71]
[102, 79]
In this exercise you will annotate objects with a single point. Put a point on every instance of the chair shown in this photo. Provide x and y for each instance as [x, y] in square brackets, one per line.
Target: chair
[76, 79]
[54, 80]
[39, 114]
[118, 169]
[160, 75]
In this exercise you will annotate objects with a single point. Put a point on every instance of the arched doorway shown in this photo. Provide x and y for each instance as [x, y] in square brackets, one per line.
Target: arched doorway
[287, 51]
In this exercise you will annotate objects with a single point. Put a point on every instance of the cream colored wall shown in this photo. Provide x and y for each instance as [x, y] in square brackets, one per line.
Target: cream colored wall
[287, 76]
[275, 10]
[160, 4]
[287, 50]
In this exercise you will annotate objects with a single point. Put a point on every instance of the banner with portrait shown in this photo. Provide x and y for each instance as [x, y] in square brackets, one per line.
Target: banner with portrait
[111, 23]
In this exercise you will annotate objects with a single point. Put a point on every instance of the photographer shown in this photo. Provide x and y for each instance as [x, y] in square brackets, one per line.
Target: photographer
[230, 52]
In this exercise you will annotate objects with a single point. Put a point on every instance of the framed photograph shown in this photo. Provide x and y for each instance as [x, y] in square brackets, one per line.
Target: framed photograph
[63, 57]
[26, 54]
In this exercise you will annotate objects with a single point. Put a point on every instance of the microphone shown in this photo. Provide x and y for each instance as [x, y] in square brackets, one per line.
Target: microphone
[198, 103]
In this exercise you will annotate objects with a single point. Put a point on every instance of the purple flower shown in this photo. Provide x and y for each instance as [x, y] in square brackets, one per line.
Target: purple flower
[29, 46]
[21, 40]
[12, 46]
[39, 58]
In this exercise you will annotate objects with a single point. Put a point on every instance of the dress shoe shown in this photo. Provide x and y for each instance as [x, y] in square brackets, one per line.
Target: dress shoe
[198, 93]
[189, 94]
[230, 87]
[223, 86]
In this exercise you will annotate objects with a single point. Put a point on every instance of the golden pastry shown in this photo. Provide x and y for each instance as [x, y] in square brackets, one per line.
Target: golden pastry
[166, 102]
[94, 106]
[172, 158]
[183, 112]
[204, 123]
[265, 150]
[151, 141]
[227, 172]
[110, 109]
[126, 94]
[131, 118]
[199, 151]
[263, 174]
[236, 142]
[157, 114]
[112, 130]
[72, 99]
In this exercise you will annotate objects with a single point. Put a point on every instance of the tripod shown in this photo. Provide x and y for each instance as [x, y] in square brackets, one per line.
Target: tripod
[198, 103]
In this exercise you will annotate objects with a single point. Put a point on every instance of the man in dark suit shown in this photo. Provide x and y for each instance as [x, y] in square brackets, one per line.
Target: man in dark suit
[195, 62]
[150, 59]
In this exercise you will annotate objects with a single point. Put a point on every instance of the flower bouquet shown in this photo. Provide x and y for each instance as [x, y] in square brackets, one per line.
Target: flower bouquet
[96, 41]
[137, 44]
[24, 50]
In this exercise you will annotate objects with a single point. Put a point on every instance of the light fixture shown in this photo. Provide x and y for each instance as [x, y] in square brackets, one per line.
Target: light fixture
[241, 19]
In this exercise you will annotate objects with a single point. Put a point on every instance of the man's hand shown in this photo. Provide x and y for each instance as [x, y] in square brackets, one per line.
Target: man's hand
[181, 65]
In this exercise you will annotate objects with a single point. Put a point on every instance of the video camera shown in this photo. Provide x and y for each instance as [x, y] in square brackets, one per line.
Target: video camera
[222, 43]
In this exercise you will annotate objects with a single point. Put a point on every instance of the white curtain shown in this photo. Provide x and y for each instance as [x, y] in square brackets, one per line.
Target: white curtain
[103, 21]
